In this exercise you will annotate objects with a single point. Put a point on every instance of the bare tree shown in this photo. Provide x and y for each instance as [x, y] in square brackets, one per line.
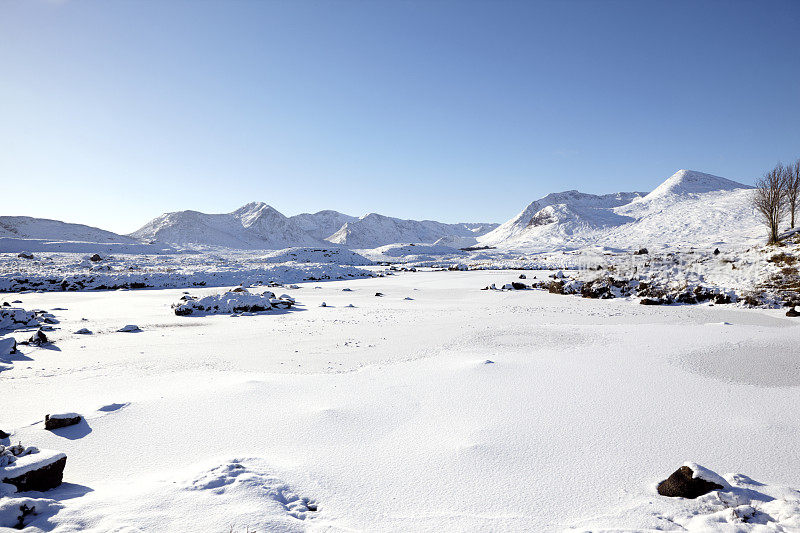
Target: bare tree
[770, 199]
[792, 188]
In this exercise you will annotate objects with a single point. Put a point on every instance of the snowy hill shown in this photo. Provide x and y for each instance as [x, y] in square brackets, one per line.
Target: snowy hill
[29, 234]
[43, 228]
[373, 230]
[252, 226]
[688, 209]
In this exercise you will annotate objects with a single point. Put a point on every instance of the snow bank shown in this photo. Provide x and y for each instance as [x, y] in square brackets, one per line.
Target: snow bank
[339, 256]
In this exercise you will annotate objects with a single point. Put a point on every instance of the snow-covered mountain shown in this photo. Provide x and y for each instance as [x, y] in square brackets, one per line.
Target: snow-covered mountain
[689, 209]
[253, 226]
[29, 234]
[44, 228]
[373, 230]
[322, 224]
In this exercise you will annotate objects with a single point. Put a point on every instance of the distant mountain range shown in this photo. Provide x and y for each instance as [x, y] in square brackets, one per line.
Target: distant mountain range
[257, 225]
[688, 209]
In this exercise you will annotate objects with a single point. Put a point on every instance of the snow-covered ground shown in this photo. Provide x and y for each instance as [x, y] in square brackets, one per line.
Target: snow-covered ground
[455, 410]
[211, 267]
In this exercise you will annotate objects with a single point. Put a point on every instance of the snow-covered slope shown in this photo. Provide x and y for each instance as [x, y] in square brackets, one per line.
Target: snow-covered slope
[322, 224]
[373, 230]
[252, 226]
[689, 209]
[29, 234]
[44, 228]
[537, 214]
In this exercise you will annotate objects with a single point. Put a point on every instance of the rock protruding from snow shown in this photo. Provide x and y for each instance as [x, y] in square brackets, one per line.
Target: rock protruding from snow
[687, 482]
[232, 302]
[129, 328]
[12, 318]
[8, 346]
[30, 468]
[61, 420]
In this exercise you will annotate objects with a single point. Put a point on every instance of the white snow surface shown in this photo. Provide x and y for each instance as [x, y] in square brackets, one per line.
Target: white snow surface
[690, 209]
[59, 271]
[252, 421]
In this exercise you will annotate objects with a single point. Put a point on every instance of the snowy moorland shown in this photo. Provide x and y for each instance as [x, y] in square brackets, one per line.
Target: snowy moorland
[329, 373]
[504, 411]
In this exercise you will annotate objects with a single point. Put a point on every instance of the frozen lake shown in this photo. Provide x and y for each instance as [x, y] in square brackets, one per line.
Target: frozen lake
[389, 416]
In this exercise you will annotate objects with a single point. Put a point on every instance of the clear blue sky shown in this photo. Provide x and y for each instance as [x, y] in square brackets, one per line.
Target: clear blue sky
[112, 112]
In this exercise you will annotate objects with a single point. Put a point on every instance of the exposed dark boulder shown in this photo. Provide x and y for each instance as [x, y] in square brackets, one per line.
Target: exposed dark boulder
[58, 421]
[793, 312]
[96, 258]
[47, 477]
[4, 435]
[523, 276]
[681, 484]
[641, 251]
[652, 301]
[518, 286]
[378, 294]
[38, 338]
[25, 255]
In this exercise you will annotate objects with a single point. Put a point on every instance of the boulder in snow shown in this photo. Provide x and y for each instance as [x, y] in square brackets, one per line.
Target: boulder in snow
[95, 258]
[25, 255]
[38, 338]
[8, 346]
[30, 469]
[61, 420]
[686, 482]
[130, 328]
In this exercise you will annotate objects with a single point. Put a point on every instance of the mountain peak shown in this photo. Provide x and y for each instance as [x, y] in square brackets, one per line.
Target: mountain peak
[687, 181]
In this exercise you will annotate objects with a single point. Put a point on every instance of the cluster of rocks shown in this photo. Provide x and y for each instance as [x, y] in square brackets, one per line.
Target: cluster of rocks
[12, 318]
[238, 300]
[650, 292]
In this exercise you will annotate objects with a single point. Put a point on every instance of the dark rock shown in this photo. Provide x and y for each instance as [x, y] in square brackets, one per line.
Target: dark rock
[25, 255]
[681, 484]
[378, 294]
[55, 423]
[44, 478]
[96, 258]
[792, 312]
[523, 276]
[4, 435]
[518, 286]
[6, 304]
[652, 301]
[38, 338]
[641, 251]
[716, 251]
